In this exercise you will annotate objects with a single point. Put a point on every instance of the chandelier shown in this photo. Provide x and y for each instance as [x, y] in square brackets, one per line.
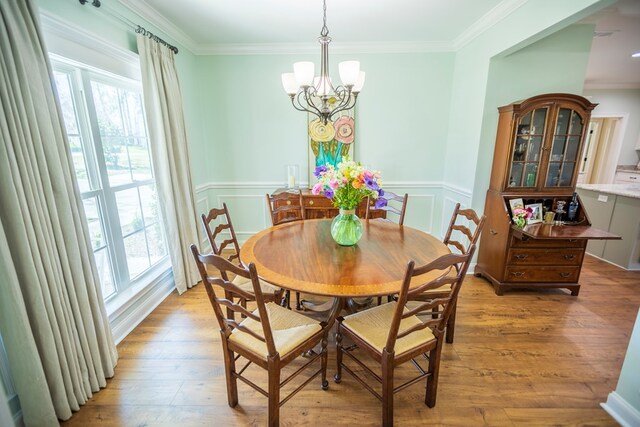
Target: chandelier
[317, 95]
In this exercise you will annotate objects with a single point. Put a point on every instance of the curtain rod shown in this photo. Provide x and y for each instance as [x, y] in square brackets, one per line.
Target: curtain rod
[138, 28]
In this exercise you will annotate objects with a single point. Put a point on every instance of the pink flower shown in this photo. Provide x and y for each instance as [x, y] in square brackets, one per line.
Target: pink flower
[317, 188]
[344, 131]
[333, 184]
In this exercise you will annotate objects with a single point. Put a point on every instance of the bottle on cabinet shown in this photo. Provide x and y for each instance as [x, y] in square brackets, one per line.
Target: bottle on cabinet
[572, 212]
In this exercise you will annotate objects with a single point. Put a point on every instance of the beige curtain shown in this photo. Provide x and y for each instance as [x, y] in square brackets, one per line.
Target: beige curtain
[170, 156]
[52, 315]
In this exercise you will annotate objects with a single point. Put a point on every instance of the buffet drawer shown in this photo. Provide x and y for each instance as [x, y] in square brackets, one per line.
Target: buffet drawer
[545, 256]
[547, 243]
[517, 273]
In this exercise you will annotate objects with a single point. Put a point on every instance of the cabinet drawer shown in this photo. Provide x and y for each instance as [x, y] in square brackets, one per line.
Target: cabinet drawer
[319, 202]
[547, 243]
[541, 256]
[516, 273]
[624, 177]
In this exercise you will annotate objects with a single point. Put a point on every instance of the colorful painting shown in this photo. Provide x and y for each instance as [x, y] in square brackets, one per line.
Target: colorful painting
[329, 142]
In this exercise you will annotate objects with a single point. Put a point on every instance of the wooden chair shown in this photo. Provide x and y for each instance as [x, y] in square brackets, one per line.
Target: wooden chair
[270, 337]
[464, 225]
[286, 207]
[220, 243]
[392, 334]
[373, 212]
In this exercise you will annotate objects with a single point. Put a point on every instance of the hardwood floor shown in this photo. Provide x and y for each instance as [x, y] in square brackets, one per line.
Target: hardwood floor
[523, 359]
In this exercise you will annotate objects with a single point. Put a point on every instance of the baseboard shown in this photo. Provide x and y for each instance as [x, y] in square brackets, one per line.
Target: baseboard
[621, 410]
[125, 320]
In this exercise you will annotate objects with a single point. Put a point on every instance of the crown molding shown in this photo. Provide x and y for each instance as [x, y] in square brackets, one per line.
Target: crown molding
[142, 9]
[298, 48]
[491, 18]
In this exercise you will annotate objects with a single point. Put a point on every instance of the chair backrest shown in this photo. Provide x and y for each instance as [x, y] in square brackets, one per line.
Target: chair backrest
[453, 268]
[209, 263]
[285, 207]
[216, 240]
[464, 224]
[395, 204]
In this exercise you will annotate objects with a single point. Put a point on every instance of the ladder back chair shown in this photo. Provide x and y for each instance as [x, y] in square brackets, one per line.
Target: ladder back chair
[286, 207]
[228, 245]
[398, 207]
[465, 225]
[270, 337]
[392, 334]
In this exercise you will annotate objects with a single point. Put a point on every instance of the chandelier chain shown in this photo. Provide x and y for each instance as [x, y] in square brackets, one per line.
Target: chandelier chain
[325, 31]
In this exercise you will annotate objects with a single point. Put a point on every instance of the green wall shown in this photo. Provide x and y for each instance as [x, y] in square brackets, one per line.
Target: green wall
[252, 131]
[556, 63]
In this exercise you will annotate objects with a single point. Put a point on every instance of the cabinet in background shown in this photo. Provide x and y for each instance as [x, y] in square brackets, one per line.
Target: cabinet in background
[318, 206]
[536, 158]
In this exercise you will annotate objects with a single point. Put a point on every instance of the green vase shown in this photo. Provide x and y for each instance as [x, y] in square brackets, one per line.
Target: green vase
[346, 228]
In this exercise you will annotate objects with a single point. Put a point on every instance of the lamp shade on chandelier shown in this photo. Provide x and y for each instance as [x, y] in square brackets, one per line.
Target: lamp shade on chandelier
[316, 94]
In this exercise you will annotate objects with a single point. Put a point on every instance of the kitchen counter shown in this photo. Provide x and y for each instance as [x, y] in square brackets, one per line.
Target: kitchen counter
[616, 209]
[627, 190]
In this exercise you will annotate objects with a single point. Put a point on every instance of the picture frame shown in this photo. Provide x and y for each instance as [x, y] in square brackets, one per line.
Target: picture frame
[516, 203]
[330, 150]
[536, 213]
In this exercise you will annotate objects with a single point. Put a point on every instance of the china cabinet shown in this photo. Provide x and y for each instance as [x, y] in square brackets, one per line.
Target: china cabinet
[538, 146]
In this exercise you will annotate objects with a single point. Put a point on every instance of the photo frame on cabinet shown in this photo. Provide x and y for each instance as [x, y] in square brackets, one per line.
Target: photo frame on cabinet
[536, 213]
[516, 203]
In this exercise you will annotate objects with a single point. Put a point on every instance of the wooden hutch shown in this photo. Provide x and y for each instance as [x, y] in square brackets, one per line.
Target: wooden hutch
[538, 148]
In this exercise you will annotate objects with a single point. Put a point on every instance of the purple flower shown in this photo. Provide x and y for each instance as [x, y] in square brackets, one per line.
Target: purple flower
[380, 192]
[371, 183]
[328, 193]
[319, 170]
[380, 202]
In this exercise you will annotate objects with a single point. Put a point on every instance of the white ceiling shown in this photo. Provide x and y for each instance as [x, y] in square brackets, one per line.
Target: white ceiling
[216, 26]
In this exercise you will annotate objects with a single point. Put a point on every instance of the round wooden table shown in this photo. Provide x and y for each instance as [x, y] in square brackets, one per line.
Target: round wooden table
[302, 256]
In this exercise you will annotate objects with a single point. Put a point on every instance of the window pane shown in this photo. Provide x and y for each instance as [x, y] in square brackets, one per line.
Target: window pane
[149, 200]
[63, 87]
[129, 211]
[140, 160]
[116, 158]
[107, 103]
[135, 246]
[157, 248]
[79, 163]
[96, 232]
[104, 272]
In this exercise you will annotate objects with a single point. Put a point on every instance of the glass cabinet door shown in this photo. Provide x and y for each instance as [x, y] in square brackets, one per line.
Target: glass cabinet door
[563, 158]
[527, 149]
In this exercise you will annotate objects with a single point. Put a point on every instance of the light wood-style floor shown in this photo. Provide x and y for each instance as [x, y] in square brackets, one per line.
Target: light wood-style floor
[524, 359]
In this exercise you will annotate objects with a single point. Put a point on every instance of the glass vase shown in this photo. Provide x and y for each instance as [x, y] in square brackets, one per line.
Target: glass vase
[346, 228]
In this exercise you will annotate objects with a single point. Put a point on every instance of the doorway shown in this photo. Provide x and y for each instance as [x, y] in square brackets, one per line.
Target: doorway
[601, 151]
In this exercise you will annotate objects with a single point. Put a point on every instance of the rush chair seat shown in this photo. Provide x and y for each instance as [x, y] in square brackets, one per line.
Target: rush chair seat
[286, 207]
[270, 337]
[392, 334]
[220, 243]
[465, 224]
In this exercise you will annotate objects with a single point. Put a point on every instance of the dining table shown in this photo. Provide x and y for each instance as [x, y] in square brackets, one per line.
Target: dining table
[302, 256]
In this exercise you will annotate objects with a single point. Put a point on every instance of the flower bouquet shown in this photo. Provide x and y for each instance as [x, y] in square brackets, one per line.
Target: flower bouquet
[346, 186]
[520, 216]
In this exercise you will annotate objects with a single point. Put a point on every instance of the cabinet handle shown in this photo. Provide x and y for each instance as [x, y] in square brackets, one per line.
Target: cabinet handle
[517, 273]
[569, 257]
[573, 240]
[492, 231]
[564, 274]
[521, 256]
[311, 202]
[288, 202]
[633, 177]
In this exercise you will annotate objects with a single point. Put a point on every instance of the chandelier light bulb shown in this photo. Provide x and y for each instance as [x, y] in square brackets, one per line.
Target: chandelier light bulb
[290, 83]
[349, 71]
[359, 83]
[304, 73]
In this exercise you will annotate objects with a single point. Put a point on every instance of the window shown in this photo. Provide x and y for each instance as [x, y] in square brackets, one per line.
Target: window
[104, 120]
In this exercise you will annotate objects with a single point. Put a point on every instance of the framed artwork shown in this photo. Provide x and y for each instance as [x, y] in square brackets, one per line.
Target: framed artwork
[536, 213]
[328, 143]
[516, 203]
